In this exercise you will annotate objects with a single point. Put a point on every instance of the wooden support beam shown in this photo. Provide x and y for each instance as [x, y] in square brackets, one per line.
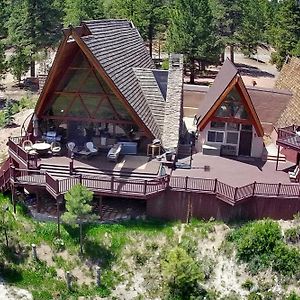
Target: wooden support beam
[277, 158]
[100, 207]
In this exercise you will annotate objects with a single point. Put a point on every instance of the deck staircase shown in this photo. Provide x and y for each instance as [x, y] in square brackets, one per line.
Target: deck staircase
[184, 150]
[271, 154]
[5, 177]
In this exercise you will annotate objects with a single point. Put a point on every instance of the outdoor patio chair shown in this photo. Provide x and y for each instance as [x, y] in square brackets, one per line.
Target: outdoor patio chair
[27, 146]
[114, 152]
[91, 147]
[55, 148]
[294, 175]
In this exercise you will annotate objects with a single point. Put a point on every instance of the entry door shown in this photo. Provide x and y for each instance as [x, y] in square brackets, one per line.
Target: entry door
[245, 143]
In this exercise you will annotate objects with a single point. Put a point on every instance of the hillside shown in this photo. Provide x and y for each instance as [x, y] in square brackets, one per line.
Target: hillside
[155, 260]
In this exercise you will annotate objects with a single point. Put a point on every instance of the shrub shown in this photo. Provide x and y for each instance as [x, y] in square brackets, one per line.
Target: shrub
[293, 296]
[286, 260]
[257, 239]
[254, 296]
[182, 275]
[248, 285]
[292, 235]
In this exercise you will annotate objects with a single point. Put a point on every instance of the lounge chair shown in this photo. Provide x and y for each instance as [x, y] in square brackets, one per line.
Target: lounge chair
[114, 152]
[91, 147]
[28, 147]
[294, 175]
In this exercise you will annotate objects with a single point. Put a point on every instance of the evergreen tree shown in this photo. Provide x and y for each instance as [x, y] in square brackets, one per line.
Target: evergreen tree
[286, 31]
[5, 6]
[227, 16]
[80, 10]
[3, 62]
[34, 25]
[149, 16]
[250, 34]
[8, 113]
[191, 32]
[19, 63]
[78, 206]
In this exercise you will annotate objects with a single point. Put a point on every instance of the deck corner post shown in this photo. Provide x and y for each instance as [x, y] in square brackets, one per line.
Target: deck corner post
[215, 186]
[145, 187]
[253, 190]
[13, 198]
[277, 158]
[278, 189]
[100, 207]
[235, 193]
[57, 186]
[186, 182]
[112, 183]
[12, 172]
[58, 216]
[80, 178]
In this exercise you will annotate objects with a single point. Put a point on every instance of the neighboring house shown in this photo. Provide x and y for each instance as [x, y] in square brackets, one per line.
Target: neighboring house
[227, 120]
[264, 108]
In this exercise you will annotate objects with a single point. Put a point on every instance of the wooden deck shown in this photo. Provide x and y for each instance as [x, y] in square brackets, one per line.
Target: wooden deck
[288, 138]
[230, 180]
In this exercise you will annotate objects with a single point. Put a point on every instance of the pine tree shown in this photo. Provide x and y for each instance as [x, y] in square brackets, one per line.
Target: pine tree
[19, 63]
[227, 17]
[8, 113]
[250, 34]
[3, 62]
[149, 16]
[80, 10]
[286, 31]
[34, 25]
[78, 206]
[191, 32]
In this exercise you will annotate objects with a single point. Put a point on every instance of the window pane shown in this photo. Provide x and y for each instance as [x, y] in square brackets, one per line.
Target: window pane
[233, 126]
[77, 109]
[247, 127]
[232, 138]
[211, 136]
[119, 107]
[219, 137]
[219, 125]
[91, 85]
[59, 105]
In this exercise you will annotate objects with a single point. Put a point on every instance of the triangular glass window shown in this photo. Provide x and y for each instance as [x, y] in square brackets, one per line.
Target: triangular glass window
[91, 85]
[105, 111]
[92, 102]
[119, 107]
[232, 106]
[77, 109]
[59, 105]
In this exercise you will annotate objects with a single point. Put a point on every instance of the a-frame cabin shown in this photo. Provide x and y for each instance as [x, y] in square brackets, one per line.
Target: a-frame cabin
[227, 121]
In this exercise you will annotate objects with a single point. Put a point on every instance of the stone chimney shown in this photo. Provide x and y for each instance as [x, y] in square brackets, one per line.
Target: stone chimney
[173, 105]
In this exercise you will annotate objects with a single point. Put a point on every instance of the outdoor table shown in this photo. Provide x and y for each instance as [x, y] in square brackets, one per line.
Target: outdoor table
[41, 148]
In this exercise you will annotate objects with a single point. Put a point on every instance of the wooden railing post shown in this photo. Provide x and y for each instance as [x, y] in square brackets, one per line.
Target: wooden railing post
[278, 189]
[254, 186]
[56, 186]
[145, 187]
[186, 183]
[13, 172]
[112, 183]
[215, 186]
[235, 193]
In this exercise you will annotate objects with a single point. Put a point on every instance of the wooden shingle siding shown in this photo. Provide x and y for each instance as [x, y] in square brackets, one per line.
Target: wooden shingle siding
[289, 78]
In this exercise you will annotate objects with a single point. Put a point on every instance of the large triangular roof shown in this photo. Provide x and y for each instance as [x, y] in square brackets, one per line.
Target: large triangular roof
[115, 49]
[227, 78]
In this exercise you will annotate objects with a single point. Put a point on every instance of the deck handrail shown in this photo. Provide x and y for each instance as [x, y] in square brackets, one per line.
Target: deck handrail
[14, 145]
[236, 194]
[101, 183]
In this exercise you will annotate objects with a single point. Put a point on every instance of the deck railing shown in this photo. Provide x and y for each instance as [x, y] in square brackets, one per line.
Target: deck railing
[288, 137]
[103, 184]
[15, 146]
[231, 194]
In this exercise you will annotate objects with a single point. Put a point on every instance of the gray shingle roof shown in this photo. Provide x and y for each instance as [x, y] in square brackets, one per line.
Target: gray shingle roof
[152, 94]
[119, 48]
